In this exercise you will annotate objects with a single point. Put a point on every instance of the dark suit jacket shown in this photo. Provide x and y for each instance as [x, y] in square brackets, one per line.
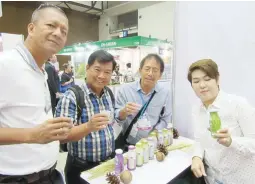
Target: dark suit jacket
[53, 79]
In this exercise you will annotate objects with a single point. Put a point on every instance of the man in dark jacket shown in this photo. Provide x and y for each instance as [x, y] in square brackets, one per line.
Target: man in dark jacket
[53, 81]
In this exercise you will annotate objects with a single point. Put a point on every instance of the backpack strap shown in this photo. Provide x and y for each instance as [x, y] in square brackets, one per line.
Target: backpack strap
[80, 103]
[111, 95]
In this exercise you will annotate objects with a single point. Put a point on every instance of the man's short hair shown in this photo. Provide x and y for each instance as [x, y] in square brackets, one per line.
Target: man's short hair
[35, 15]
[101, 56]
[206, 65]
[128, 65]
[157, 58]
[66, 65]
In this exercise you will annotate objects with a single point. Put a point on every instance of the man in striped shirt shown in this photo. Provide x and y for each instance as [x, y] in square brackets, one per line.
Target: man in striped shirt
[91, 138]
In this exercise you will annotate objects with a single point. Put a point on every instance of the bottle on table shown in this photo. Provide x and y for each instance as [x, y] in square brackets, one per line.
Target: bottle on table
[131, 163]
[153, 135]
[145, 151]
[151, 147]
[119, 161]
[139, 154]
[160, 137]
[165, 137]
[170, 133]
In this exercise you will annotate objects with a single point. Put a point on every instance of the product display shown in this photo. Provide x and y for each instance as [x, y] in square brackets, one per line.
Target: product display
[126, 177]
[112, 178]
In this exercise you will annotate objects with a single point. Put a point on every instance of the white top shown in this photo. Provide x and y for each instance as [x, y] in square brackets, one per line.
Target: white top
[234, 164]
[24, 103]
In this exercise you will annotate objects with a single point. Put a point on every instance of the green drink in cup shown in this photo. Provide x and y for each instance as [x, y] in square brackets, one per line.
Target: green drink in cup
[215, 123]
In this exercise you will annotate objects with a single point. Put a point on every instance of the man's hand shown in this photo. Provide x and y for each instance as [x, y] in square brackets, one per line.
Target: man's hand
[197, 167]
[98, 122]
[129, 109]
[132, 108]
[223, 137]
[58, 95]
[55, 129]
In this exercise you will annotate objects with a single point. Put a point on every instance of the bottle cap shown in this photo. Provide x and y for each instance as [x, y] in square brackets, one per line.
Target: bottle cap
[118, 151]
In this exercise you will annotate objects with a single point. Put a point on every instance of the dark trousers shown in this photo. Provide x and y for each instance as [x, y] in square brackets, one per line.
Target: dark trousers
[53, 102]
[50, 176]
[74, 167]
[187, 177]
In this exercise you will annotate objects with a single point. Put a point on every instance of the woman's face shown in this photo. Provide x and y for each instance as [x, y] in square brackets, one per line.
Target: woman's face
[205, 87]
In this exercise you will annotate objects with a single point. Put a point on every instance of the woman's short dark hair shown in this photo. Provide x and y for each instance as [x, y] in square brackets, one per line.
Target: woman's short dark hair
[157, 58]
[101, 56]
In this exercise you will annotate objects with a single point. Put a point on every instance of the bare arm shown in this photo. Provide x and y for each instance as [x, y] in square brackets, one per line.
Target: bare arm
[15, 136]
[51, 130]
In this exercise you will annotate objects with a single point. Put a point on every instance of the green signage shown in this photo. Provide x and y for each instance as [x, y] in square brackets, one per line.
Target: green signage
[115, 43]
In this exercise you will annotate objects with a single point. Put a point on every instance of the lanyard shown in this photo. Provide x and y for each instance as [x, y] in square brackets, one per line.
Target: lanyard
[140, 94]
[145, 104]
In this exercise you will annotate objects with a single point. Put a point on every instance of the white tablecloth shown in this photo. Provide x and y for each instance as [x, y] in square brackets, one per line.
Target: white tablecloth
[154, 171]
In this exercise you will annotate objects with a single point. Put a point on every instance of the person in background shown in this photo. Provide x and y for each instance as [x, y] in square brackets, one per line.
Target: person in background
[92, 138]
[29, 135]
[132, 96]
[66, 78]
[129, 75]
[116, 76]
[228, 155]
[53, 81]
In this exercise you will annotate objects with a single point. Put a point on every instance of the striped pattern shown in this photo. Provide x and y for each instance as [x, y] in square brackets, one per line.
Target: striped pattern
[96, 146]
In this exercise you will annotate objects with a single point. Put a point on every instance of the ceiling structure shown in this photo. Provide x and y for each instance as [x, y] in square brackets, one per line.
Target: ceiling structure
[90, 7]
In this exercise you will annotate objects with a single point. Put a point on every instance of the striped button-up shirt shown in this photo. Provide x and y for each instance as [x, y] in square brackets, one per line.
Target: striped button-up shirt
[96, 146]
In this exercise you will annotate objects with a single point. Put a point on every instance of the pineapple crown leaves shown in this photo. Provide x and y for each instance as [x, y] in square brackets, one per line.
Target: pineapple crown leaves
[112, 178]
[163, 149]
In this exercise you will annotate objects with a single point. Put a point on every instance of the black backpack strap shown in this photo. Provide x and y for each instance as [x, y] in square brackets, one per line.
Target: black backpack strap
[111, 95]
[80, 103]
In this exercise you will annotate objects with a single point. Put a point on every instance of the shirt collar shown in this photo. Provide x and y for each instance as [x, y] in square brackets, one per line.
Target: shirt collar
[25, 53]
[89, 91]
[217, 102]
[138, 87]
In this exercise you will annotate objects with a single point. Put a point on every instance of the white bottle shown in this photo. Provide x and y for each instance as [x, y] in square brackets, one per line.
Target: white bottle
[160, 137]
[145, 151]
[151, 147]
[131, 163]
[170, 133]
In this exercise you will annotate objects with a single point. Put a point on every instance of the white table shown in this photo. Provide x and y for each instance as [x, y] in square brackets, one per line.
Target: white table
[157, 172]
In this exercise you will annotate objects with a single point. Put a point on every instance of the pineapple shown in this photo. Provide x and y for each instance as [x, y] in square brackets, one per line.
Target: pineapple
[175, 133]
[112, 178]
[163, 149]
